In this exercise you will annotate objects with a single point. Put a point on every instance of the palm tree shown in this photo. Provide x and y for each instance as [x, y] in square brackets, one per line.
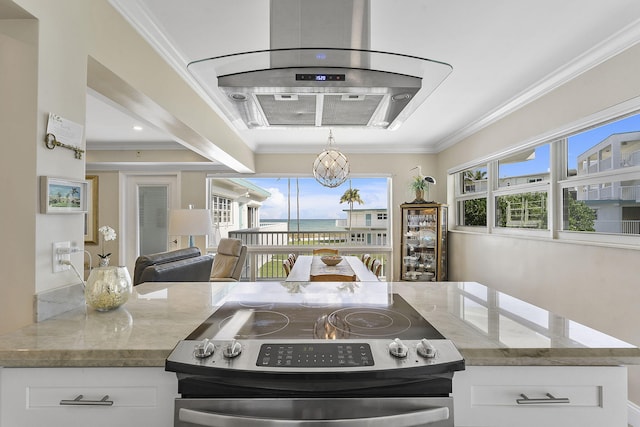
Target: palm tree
[351, 196]
[472, 176]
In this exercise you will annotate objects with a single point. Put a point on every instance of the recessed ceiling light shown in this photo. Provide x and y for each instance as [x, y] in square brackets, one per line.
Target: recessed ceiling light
[238, 97]
[137, 128]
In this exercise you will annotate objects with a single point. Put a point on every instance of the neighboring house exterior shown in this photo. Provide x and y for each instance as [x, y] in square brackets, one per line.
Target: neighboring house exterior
[617, 202]
[368, 226]
[235, 204]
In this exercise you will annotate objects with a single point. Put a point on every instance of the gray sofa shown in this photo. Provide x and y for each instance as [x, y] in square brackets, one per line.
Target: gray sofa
[182, 265]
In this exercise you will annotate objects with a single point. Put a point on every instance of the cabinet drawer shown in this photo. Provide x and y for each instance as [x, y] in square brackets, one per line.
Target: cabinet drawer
[534, 396]
[87, 396]
[125, 396]
[539, 395]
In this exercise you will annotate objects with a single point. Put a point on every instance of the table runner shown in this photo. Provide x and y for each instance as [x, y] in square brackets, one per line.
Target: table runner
[319, 268]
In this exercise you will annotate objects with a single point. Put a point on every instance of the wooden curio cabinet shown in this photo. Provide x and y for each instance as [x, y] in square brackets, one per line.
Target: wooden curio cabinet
[424, 242]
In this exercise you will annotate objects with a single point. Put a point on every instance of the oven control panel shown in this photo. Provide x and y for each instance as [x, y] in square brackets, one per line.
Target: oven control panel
[315, 356]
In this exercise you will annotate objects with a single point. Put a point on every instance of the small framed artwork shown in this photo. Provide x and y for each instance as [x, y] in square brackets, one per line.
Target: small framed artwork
[91, 216]
[60, 195]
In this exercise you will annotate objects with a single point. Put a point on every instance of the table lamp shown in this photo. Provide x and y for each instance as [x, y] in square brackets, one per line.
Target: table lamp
[190, 222]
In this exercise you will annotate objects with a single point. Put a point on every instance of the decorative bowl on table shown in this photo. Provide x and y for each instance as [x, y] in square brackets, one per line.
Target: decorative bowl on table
[331, 260]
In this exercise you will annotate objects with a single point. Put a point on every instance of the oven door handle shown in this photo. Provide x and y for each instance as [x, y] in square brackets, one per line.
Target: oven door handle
[411, 419]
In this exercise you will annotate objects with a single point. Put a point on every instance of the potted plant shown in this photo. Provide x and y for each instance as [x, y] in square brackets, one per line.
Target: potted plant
[419, 184]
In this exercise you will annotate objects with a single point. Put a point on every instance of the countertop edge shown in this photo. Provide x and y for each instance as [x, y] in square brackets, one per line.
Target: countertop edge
[473, 357]
[83, 358]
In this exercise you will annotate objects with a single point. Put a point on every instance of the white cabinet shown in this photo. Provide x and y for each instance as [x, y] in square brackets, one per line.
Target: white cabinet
[550, 396]
[110, 397]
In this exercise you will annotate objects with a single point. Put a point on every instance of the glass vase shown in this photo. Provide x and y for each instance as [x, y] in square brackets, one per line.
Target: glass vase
[108, 288]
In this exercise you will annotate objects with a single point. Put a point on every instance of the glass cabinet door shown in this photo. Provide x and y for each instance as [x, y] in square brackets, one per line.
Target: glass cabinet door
[423, 242]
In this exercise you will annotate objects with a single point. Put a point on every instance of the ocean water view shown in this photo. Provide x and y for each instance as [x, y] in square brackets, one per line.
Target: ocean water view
[307, 224]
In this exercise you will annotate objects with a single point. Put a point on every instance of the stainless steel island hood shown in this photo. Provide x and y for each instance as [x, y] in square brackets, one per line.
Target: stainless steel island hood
[318, 72]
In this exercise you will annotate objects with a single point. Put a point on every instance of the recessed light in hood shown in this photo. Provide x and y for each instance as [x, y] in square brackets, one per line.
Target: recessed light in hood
[335, 80]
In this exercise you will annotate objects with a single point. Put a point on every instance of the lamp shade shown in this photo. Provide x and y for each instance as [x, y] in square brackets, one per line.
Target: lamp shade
[189, 222]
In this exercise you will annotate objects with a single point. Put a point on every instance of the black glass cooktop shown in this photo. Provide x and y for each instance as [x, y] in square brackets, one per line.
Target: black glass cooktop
[268, 320]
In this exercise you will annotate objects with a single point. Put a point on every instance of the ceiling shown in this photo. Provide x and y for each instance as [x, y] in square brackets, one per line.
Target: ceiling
[504, 54]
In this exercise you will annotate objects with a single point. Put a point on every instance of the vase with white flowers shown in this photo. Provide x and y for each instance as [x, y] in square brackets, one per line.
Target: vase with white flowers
[106, 234]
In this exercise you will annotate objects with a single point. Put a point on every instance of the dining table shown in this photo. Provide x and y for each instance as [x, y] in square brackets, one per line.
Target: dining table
[310, 268]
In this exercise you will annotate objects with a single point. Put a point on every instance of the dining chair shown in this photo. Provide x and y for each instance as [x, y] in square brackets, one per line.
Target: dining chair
[376, 267]
[292, 259]
[286, 265]
[325, 251]
[332, 278]
[366, 259]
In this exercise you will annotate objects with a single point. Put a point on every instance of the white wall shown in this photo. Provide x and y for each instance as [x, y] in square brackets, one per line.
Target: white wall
[594, 285]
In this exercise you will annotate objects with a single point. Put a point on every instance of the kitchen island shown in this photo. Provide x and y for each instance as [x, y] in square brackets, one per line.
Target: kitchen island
[493, 331]
[488, 327]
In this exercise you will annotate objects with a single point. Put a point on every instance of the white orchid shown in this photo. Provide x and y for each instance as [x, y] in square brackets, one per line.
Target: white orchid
[107, 233]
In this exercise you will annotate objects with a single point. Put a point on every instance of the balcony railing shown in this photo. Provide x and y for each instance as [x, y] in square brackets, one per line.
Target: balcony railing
[616, 192]
[267, 250]
[630, 192]
[617, 227]
[630, 159]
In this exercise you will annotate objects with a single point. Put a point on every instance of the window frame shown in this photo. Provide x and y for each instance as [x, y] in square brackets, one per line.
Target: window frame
[555, 185]
[218, 211]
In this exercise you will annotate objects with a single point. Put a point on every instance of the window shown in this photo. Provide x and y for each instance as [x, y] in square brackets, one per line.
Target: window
[472, 206]
[473, 212]
[522, 210]
[602, 191]
[221, 209]
[474, 180]
[614, 145]
[525, 167]
[382, 216]
[597, 182]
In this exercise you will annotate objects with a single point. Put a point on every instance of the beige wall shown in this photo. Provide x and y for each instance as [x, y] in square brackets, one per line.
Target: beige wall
[18, 182]
[46, 64]
[594, 285]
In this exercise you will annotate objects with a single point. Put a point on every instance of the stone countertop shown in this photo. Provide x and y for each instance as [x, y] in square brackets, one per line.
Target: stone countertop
[489, 328]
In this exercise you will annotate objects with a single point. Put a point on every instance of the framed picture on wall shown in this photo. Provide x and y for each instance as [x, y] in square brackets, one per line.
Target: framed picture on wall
[91, 216]
[60, 195]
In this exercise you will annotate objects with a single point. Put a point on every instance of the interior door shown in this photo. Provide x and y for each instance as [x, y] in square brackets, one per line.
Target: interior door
[145, 206]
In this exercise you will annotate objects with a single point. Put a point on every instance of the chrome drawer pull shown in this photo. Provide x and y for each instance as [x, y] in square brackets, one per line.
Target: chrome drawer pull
[79, 402]
[549, 399]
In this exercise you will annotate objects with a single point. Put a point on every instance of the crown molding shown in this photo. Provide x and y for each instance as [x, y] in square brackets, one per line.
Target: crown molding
[617, 43]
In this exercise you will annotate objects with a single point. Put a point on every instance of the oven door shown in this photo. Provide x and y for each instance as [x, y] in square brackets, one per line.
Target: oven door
[351, 412]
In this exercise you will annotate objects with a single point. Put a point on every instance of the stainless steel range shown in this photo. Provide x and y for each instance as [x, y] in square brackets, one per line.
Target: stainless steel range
[302, 363]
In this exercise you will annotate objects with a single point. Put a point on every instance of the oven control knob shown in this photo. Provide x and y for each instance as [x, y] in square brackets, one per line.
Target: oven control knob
[204, 349]
[426, 349]
[233, 349]
[398, 349]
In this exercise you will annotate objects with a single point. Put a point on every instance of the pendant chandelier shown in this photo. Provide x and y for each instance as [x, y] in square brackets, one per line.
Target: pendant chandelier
[331, 167]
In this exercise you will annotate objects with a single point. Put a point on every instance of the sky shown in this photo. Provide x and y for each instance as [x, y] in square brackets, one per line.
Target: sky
[316, 201]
